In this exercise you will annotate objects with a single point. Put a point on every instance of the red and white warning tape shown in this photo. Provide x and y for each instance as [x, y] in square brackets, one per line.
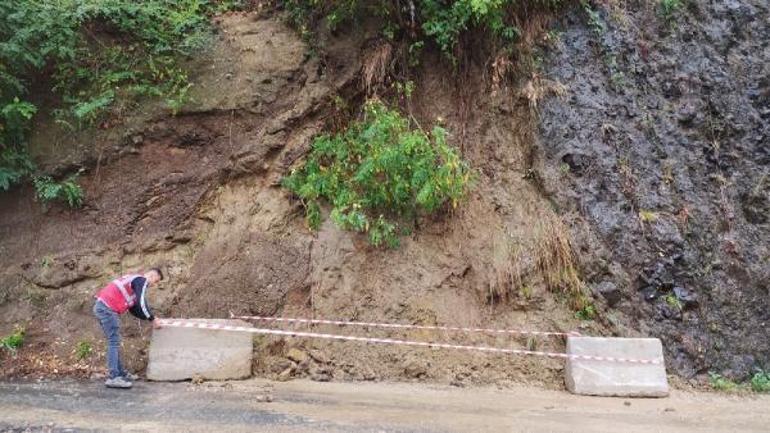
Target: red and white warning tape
[216, 326]
[404, 326]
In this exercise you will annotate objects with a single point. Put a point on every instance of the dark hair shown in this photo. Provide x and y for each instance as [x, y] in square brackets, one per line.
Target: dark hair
[160, 274]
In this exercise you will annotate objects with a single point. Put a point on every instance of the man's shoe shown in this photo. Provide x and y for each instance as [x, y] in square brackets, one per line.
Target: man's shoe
[131, 377]
[118, 382]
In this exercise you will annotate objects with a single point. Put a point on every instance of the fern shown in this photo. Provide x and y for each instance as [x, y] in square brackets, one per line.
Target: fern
[68, 190]
[90, 109]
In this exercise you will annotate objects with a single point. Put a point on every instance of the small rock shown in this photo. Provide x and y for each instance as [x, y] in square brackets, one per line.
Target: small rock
[321, 375]
[267, 398]
[319, 356]
[669, 311]
[415, 368]
[687, 298]
[285, 375]
[650, 293]
[197, 379]
[741, 367]
[627, 403]
[610, 292]
[366, 373]
[303, 366]
[297, 355]
[279, 365]
[687, 114]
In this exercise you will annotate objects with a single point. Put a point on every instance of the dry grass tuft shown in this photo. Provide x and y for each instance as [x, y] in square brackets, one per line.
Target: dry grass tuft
[376, 66]
[556, 260]
[538, 88]
[539, 253]
[502, 68]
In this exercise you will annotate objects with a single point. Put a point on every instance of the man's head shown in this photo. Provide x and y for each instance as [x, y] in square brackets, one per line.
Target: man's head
[153, 275]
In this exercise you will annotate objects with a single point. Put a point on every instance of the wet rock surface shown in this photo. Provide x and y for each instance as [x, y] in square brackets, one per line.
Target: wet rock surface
[662, 145]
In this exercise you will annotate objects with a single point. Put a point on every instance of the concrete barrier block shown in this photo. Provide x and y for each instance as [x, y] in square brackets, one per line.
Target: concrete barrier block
[181, 353]
[610, 378]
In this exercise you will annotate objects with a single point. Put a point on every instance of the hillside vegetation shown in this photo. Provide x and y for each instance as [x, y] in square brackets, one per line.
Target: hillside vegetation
[100, 58]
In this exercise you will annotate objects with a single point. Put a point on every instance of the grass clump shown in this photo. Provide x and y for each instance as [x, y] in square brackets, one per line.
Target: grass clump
[378, 173]
[721, 383]
[558, 265]
[83, 350]
[759, 383]
[668, 8]
[588, 312]
[13, 341]
[673, 302]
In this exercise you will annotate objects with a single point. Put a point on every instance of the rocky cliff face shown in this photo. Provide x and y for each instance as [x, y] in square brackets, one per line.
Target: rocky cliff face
[663, 146]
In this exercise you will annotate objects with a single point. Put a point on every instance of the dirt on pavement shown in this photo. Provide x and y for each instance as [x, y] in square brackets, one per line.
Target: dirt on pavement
[303, 406]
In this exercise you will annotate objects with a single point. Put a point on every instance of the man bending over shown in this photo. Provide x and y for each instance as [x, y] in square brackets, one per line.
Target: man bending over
[127, 293]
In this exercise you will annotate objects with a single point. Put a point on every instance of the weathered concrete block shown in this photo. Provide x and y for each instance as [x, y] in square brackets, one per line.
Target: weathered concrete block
[181, 353]
[609, 378]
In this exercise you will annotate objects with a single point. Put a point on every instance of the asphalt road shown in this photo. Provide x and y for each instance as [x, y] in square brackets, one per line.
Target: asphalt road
[304, 406]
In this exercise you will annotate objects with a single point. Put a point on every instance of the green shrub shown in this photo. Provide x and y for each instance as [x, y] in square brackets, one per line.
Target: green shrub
[445, 21]
[67, 191]
[442, 21]
[595, 20]
[13, 341]
[83, 350]
[377, 172]
[14, 166]
[588, 312]
[15, 115]
[673, 301]
[760, 382]
[95, 54]
[669, 7]
[720, 383]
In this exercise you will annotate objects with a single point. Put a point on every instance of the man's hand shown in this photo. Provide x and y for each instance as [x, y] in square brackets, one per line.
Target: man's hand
[155, 323]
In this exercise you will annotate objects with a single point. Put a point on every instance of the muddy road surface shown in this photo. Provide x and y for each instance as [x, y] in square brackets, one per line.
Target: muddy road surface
[304, 406]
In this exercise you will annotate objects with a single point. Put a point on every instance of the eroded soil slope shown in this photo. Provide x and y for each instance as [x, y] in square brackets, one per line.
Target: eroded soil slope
[199, 193]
